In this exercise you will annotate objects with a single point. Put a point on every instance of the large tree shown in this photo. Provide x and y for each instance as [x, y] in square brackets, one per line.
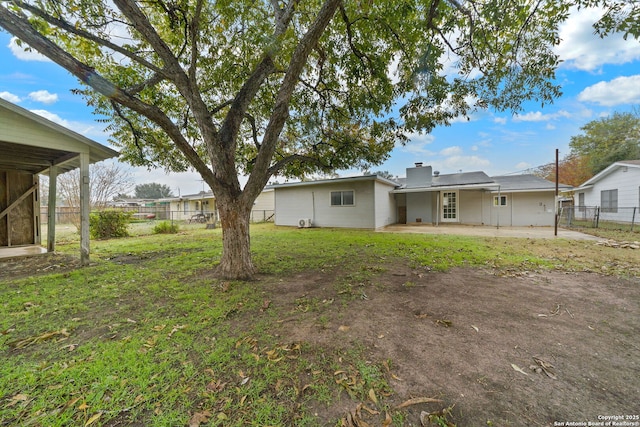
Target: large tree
[152, 190]
[608, 140]
[572, 170]
[291, 87]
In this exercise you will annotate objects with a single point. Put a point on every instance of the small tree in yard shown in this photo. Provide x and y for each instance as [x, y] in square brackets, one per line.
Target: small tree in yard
[106, 180]
[293, 87]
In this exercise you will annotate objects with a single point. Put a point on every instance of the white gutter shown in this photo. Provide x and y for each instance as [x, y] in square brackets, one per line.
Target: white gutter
[444, 188]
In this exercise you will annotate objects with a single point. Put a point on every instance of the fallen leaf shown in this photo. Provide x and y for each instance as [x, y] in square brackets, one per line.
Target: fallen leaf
[444, 322]
[176, 329]
[416, 401]
[131, 320]
[199, 418]
[158, 328]
[8, 330]
[372, 396]
[83, 406]
[476, 328]
[93, 419]
[518, 369]
[343, 328]
[387, 420]
[17, 398]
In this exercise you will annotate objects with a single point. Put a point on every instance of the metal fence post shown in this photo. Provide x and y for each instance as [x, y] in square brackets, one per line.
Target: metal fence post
[633, 217]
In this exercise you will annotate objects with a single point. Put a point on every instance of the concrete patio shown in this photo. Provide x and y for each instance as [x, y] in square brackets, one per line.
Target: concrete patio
[489, 231]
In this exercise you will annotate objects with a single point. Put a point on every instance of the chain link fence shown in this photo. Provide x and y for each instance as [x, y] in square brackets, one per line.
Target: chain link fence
[69, 215]
[621, 218]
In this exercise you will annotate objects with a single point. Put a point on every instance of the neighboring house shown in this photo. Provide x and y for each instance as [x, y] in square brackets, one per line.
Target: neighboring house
[125, 203]
[189, 206]
[356, 202]
[423, 196]
[203, 204]
[615, 190]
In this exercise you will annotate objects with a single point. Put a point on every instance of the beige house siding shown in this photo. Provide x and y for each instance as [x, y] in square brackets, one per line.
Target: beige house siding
[314, 202]
[522, 210]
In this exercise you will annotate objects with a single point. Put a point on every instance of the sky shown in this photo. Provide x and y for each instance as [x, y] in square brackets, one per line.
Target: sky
[598, 77]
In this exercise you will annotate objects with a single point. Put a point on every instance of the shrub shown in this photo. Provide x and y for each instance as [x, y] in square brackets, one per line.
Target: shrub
[109, 223]
[165, 227]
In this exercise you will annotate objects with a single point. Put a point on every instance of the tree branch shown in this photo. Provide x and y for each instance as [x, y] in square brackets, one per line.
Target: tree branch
[20, 27]
[87, 35]
[281, 108]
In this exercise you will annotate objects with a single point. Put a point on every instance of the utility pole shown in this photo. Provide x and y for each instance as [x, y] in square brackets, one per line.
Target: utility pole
[555, 229]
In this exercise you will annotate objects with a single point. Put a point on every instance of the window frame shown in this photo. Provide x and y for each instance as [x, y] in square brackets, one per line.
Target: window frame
[607, 202]
[342, 198]
[498, 199]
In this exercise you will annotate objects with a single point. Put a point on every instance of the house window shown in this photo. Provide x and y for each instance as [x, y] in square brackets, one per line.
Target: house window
[186, 207]
[609, 200]
[342, 198]
[581, 207]
[499, 200]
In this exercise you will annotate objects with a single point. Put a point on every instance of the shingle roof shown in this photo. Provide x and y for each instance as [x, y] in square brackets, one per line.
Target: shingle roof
[466, 178]
[525, 182]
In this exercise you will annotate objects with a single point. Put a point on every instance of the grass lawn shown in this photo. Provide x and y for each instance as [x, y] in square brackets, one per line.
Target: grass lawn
[147, 336]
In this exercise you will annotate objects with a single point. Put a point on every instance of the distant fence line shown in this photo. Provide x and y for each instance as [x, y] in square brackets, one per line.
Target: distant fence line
[619, 218]
[67, 215]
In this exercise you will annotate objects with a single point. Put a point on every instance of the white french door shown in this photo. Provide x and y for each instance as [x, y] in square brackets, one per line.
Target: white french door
[449, 203]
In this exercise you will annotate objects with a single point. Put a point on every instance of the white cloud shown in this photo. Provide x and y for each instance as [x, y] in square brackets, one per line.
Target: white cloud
[451, 151]
[418, 144]
[53, 117]
[523, 166]
[500, 120]
[466, 163]
[44, 96]
[581, 49]
[550, 126]
[8, 96]
[538, 116]
[474, 148]
[619, 91]
[90, 130]
[25, 55]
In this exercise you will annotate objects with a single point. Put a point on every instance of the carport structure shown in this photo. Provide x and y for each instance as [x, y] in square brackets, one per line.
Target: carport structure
[31, 145]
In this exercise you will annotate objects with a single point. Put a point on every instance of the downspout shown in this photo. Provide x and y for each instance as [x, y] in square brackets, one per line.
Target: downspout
[313, 208]
[438, 209]
[499, 205]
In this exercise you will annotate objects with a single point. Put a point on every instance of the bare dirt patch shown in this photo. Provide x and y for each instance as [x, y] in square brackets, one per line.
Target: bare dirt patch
[532, 350]
[516, 349]
[21, 267]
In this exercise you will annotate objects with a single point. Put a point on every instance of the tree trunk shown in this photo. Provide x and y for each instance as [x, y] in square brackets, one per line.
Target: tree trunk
[235, 263]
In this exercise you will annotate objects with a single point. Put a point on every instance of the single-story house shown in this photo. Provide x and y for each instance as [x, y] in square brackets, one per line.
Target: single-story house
[202, 206]
[424, 196]
[355, 202]
[31, 145]
[615, 190]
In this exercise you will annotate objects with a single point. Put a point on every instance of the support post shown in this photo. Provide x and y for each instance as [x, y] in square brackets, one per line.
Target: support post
[84, 208]
[51, 209]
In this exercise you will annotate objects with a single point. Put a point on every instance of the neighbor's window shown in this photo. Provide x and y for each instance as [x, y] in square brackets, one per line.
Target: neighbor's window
[499, 200]
[186, 207]
[342, 198]
[609, 200]
[581, 207]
